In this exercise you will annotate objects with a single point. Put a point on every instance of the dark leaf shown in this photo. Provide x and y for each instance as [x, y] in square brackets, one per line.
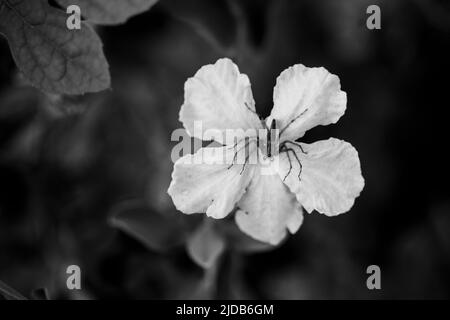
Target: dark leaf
[109, 12]
[155, 231]
[52, 57]
[205, 245]
[9, 293]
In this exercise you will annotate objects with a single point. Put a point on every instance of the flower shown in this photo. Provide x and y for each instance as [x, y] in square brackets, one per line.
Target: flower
[324, 176]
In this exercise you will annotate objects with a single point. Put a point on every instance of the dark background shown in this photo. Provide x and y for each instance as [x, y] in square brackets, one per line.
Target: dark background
[68, 164]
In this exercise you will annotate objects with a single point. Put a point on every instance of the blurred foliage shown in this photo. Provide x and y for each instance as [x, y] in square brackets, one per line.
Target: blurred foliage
[54, 58]
[83, 179]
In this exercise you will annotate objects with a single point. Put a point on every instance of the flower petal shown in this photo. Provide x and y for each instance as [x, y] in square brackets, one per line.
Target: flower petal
[304, 98]
[217, 96]
[268, 208]
[205, 182]
[330, 179]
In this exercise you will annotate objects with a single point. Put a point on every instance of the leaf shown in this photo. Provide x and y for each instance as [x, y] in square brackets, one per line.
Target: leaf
[155, 231]
[205, 245]
[109, 12]
[52, 57]
[9, 293]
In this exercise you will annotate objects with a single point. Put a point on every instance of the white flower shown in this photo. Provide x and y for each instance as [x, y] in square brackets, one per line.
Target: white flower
[324, 176]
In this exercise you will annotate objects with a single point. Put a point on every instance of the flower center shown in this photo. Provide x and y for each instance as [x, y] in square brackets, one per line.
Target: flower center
[270, 145]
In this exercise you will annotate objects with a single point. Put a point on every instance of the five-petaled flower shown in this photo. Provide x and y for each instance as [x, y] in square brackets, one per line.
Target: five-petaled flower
[324, 176]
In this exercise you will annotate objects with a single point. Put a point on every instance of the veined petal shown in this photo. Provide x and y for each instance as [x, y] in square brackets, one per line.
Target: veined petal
[268, 209]
[330, 177]
[205, 182]
[220, 97]
[304, 98]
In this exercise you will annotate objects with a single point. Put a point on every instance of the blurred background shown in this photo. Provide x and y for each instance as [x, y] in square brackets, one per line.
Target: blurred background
[83, 179]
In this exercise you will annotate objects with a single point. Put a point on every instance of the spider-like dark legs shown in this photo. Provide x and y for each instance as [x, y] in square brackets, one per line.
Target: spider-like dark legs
[235, 153]
[296, 144]
[250, 109]
[286, 149]
[254, 112]
[247, 143]
[243, 167]
[290, 163]
[293, 120]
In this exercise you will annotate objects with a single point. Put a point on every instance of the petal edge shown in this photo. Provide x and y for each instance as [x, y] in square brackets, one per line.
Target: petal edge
[219, 97]
[305, 98]
[330, 179]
